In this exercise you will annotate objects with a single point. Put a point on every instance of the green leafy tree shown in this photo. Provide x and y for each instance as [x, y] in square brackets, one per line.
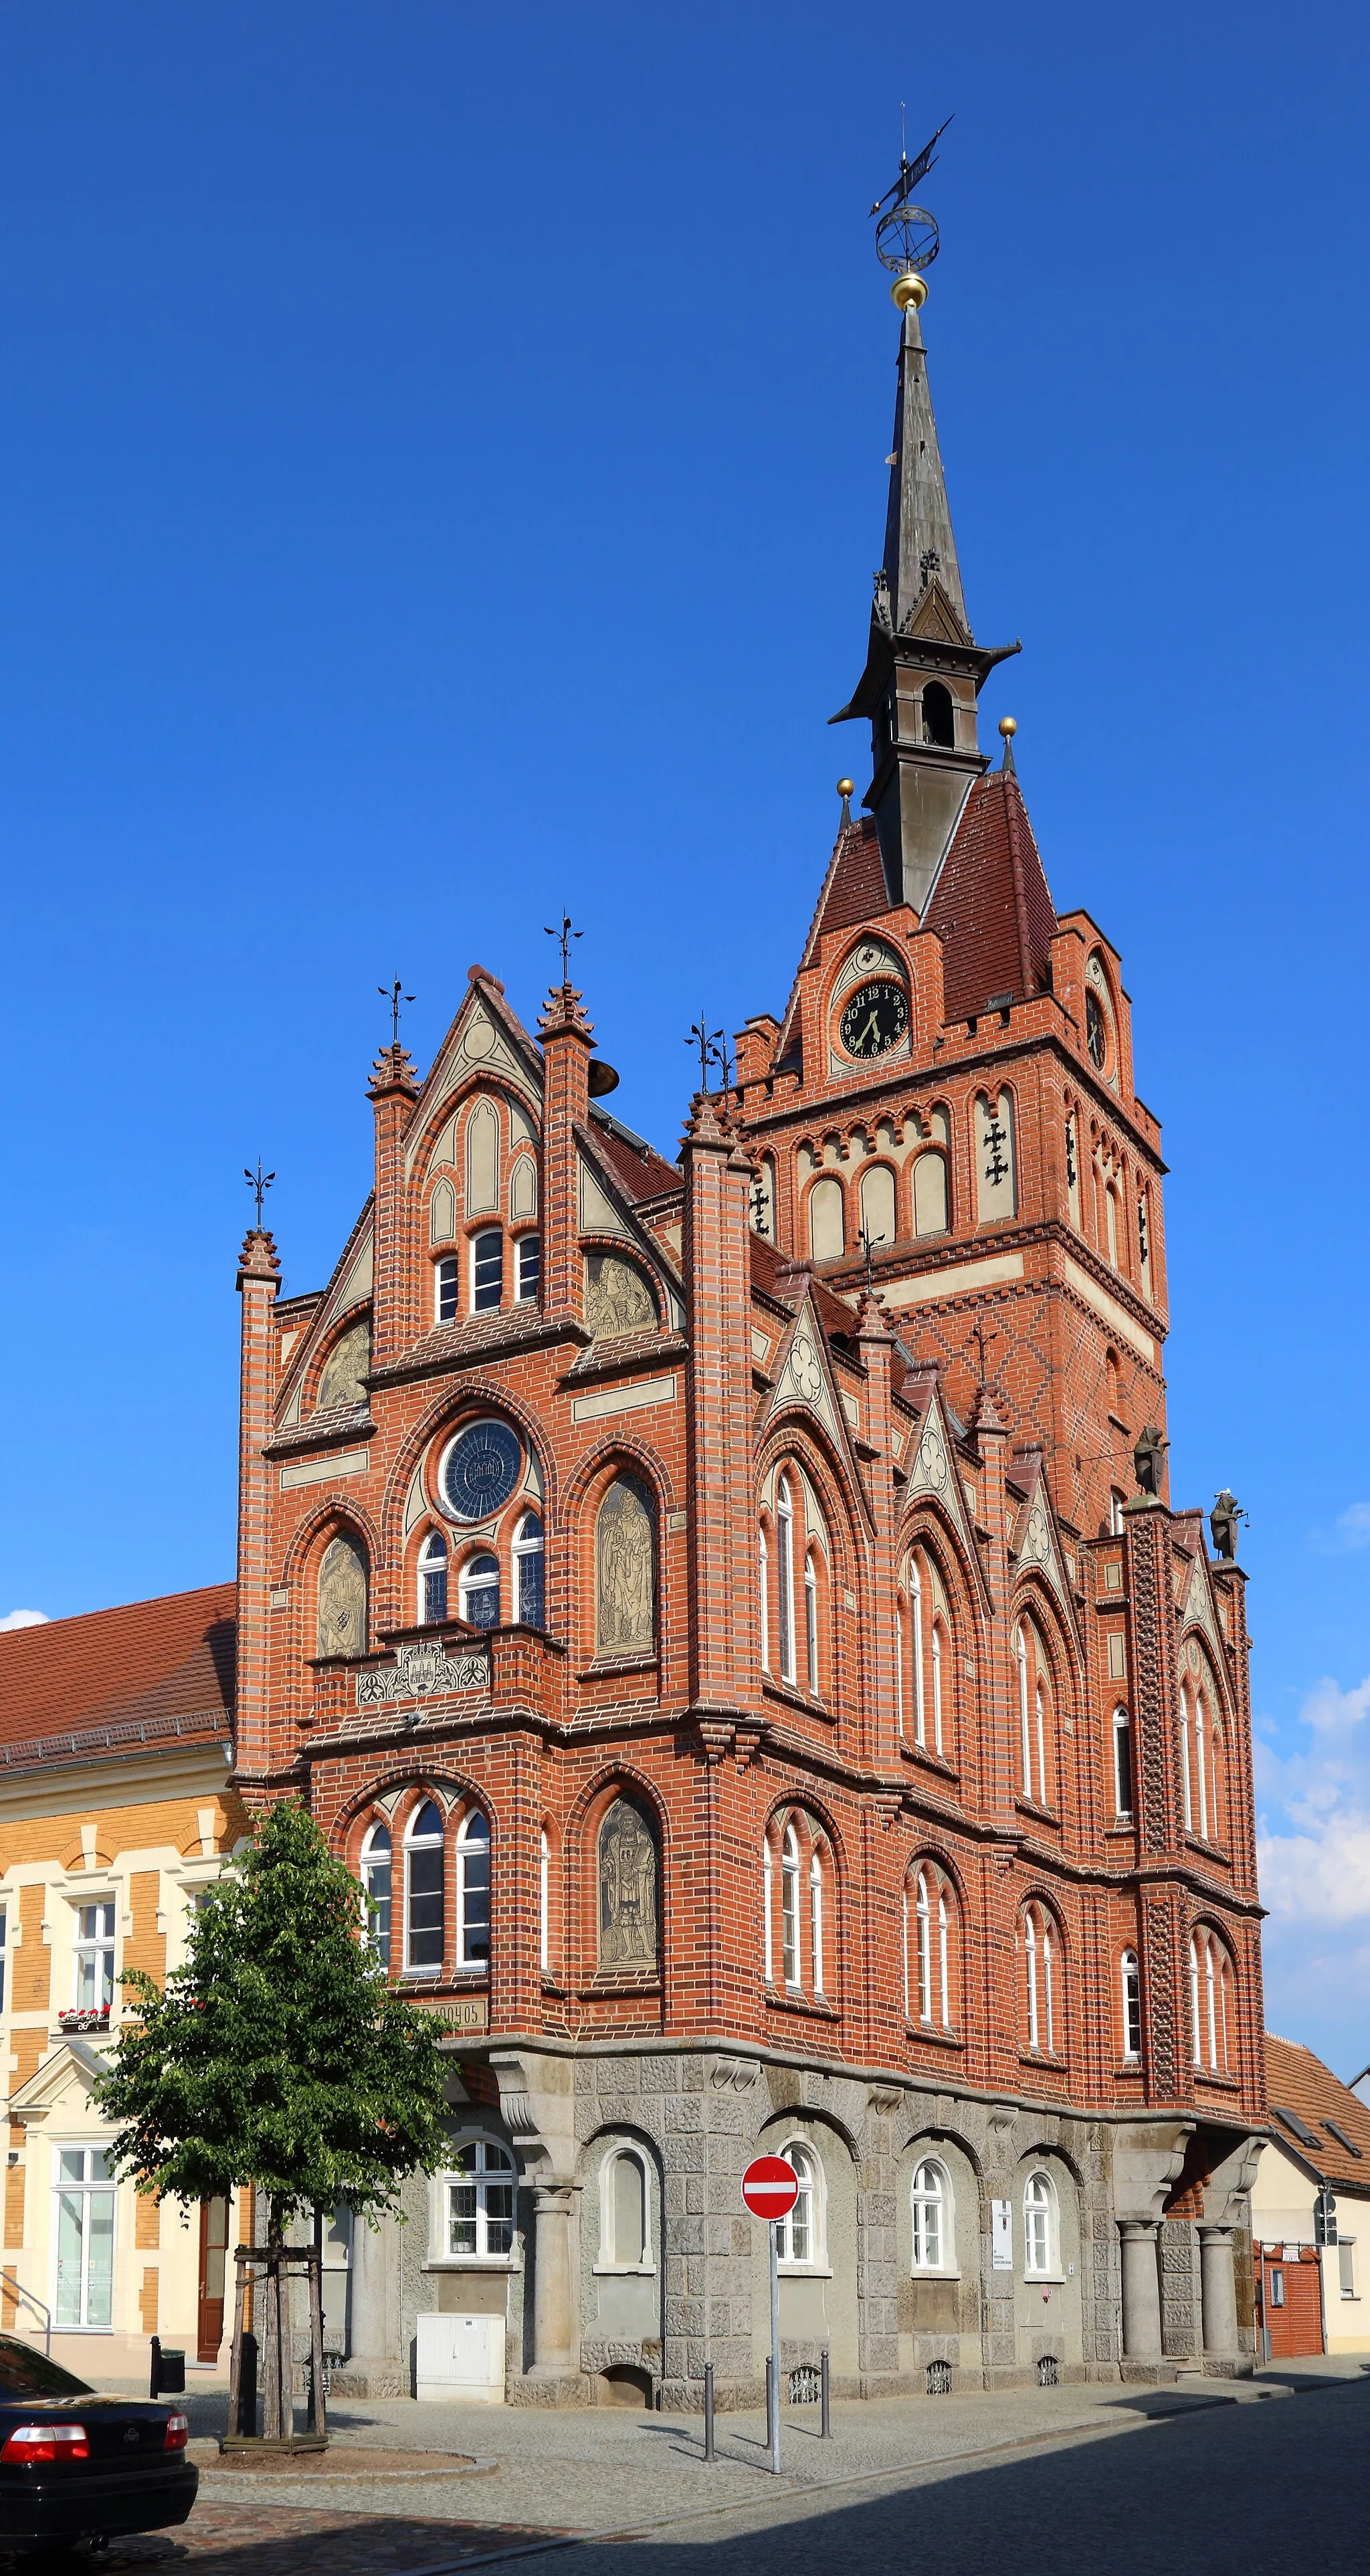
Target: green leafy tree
[278, 2055]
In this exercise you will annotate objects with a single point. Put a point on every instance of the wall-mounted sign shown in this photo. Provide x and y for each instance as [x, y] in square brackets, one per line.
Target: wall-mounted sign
[1001, 2234]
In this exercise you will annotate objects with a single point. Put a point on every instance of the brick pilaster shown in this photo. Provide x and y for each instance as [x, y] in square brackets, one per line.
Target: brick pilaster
[880, 1725]
[567, 1037]
[259, 1279]
[722, 1544]
[392, 1091]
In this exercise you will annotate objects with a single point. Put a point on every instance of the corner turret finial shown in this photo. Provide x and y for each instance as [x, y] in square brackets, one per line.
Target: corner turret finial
[1008, 726]
[846, 789]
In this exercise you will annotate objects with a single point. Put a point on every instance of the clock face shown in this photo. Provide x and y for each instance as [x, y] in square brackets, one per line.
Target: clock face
[1096, 1029]
[875, 1018]
[480, 1470]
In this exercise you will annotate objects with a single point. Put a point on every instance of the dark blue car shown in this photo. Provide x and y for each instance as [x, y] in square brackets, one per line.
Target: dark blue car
[74, 2466]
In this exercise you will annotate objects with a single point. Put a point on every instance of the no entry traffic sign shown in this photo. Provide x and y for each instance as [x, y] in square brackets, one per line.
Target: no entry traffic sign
[770, 2187]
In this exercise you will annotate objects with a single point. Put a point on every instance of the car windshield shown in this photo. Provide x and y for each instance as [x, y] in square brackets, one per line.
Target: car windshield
[26, 2373]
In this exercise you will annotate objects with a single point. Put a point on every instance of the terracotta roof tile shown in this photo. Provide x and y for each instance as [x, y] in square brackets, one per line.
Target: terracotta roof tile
[640, 1171]
[856, 888]
[1297, 2081]
[171, 1658]
[991, 904]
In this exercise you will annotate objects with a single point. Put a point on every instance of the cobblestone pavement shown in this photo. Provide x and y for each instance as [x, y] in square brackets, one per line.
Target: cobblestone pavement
[1222, 2482]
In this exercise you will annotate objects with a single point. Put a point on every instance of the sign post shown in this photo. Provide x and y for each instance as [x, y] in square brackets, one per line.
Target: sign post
[770, 2188]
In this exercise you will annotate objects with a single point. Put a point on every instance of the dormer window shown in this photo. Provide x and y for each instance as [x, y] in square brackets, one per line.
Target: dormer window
[939, 716]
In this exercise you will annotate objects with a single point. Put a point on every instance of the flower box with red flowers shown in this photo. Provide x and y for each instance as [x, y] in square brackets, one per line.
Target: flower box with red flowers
[95, 2020]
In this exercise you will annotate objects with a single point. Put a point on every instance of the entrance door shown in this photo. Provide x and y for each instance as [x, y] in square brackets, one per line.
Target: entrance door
[213, 2264]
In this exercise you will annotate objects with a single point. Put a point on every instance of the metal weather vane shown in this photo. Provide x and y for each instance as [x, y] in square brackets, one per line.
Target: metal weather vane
[906, 236]
[565, 935]
[982, 1339]
[259, 1182]
[394, 994]
[708, 1042]
[868, 1244]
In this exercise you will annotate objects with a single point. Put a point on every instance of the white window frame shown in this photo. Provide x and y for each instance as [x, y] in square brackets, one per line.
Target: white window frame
[763, 1573]
[936, 1685]
[1041, 2228]
[1184, 1760]
[816, 1919]
[447, 1274]
[433, 1559]
[544, 1903]
[936, 2196]
[916, 1624]
[426, 1843]
[89, 2192]
[767, 1901]
[784, 1526]
[811, 1622]
[526, 1545]
[1020, 1656]
[495, 2166]
[808, 2165]
[483, 1235]
[1201, 1760]
[923, 1920]
[372, 1862]
[1208, 2002]
[93, 1947]
[1130, 1987]
[1122, 1735]
[791, 1961]
[473, 1836]
[469, 1583]
[624, 2150]
[1346, 2266]
[526, 1292]
[1039, 1954]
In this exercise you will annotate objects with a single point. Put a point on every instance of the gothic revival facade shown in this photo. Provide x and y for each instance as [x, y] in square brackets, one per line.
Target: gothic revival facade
[730, 1615]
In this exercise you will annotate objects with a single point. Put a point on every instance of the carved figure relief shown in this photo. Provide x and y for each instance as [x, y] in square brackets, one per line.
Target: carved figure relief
[627, 1888]
[617, 1297]
[346, 1366]
[625, 1573]
[342, 1598]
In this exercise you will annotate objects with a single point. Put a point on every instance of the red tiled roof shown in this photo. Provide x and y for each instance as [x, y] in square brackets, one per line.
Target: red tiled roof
[1297, 2081]
[991, 904]
[856, 888]
[771, 1274]
[641, 1174]
[149, 1659]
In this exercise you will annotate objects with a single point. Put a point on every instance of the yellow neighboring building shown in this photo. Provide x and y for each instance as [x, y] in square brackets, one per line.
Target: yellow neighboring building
[116, 1810]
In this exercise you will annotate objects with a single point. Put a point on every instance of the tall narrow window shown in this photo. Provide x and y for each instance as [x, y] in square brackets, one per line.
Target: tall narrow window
[932, 2250]
[544, 1902]
[798, 2237]
[473, 1892]
[480, 1591]
[529, 1268]
[816, 1920]
[445, 1288]
[1201, 1762]
[1122, 1765]
[1185, 1785]
[423, 1909]
[924, 1920]
[4, 1926]
[479, 2192]
[944, 1982]
[487, 1269]
[1039, 1703]
[433, 1579]
[1025, 1730]
[1030, 1954]
[937, 1685]
[85, 2237]
[528, 1566]
[916, 1640]
[784, 1567]
[763, 1603]
[1132, 2005]
[789, 1905]
[1039, 1960]
[1116, 1501]
[376, 1887]
[624, 2217]
[94, 1990]
[767, 1901]
[1111, 1223]
[811, 1623]
[1048, 1996]
[1039, 2226]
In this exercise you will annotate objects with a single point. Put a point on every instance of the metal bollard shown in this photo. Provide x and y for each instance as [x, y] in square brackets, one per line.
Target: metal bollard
[825, 2393]
[155, 2389]
[708, 2410]
[246, 2425]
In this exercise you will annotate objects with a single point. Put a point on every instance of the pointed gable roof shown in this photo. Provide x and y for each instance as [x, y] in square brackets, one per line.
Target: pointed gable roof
[929, 1455]
[854, 889]
[1297, 2081]
[165, 1660]
[991, 905]
[1035, 1542]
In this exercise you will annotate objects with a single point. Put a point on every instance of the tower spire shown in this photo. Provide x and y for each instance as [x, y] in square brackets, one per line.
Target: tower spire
[920, 544]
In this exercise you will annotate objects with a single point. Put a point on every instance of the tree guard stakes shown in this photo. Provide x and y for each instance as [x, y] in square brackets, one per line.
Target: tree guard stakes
[267, 2272]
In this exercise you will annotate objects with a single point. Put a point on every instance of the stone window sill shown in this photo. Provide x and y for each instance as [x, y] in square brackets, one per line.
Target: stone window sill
[1049, 2060]
[926, 1753]
[804, 2271]
[1209, 1851]
[932, 2272]
[1039, 1815]
[646, 1662]
[791, 1696]
[792, 1999]
[469, 2263]
[1213, 2075]
[1045, 2280]
[623, 2271]
[928, 2031]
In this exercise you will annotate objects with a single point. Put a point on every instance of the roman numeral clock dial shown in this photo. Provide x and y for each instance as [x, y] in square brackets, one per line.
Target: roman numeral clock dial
[875, 1018]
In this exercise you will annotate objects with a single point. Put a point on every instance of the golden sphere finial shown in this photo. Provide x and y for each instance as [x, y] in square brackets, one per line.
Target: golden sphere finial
[846, 787]
[1008, 726]
[910, 289]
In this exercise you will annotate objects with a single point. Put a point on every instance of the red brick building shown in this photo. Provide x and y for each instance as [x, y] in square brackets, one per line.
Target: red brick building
[731, 1614]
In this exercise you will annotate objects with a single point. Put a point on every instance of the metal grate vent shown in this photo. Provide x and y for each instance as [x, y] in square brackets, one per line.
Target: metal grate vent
[804, 2385]
[1048, 2371]
[939, 2379]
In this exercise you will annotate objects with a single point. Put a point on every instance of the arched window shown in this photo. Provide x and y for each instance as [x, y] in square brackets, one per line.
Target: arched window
[478, 2192]
[624, 2212]
[544, 1902]
[1116, 1501]
[528, 1255]
[920, 1719]
[1040, 1978]
[939, 721]
[763, 1579]
[1111, 1222]
[827, 1221]
[423, 1891]
[927, 1964]
[932, 1664]
[1035, 1724]
[811, 1622]
[938, 1646]
[784, 1572]
[473, 1892]
[479, 1591]
[342, 1611]
[816, 1918]
[763, 1199]
[1201, 1760]
[625, 1570]
[767, 1900]
[1210, 1979]
[789, 1905]
[1040, 2228]
[1122, 1765]
[528, 1565]
[799, 2238]
[1186, 1776]
[432, 1579]
[445, 1290]
[934, 2237]
[376, 1886]
[1217, 1787]
[487, 1269]
[1130, 1977]
[878, 1220]
[930, 1194]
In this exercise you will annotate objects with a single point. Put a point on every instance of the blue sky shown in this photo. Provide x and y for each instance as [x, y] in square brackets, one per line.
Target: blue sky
[440, 471]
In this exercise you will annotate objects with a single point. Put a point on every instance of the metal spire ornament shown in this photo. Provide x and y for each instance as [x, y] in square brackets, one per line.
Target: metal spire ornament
[565, 935]
[259, 1182]
[394, 995]
[906, 235]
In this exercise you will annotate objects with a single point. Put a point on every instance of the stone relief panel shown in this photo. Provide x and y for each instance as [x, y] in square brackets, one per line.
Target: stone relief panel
[345, 1368]
[342, 1598]
[628, 1875]
[625, 1571]
[617, 1297]
[482, 1160]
